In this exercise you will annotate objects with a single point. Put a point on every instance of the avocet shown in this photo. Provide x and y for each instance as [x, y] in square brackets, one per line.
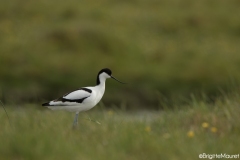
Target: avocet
[83, 98]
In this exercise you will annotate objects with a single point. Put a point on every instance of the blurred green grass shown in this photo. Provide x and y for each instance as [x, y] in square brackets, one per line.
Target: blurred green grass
[170, 48]
[183, 132]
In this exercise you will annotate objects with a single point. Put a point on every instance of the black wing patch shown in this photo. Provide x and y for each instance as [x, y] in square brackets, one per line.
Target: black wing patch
[72, 100]
[87, 90]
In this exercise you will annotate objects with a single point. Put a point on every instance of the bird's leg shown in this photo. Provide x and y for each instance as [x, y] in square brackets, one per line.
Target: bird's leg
[75, 122]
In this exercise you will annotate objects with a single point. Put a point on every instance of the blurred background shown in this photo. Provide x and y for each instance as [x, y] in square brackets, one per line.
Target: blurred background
[164, 49]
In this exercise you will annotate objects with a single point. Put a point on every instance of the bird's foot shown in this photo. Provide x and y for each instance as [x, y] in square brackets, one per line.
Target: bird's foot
[75, 126]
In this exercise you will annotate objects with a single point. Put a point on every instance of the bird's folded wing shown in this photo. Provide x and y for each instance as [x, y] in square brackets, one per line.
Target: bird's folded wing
[82, 93]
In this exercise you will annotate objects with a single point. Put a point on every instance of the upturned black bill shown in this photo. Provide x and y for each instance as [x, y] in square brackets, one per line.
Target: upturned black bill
[117, 80]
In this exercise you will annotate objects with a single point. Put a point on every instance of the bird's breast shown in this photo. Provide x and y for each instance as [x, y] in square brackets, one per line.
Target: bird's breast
[99, 94]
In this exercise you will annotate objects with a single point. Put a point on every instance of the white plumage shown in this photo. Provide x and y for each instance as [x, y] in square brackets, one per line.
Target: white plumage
[84, 98]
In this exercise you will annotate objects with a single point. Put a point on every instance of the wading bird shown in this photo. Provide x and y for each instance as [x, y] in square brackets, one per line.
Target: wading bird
[83, 98]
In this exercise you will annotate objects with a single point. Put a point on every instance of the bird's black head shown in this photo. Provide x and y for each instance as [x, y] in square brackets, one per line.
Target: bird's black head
[108, 74]
[105, 70]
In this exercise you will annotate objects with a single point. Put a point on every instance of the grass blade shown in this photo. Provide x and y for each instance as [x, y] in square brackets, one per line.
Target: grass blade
[5, 111]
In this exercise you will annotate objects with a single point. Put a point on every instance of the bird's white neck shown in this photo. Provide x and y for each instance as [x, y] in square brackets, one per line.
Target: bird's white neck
[100, 88]
[101, 79]
[101, 83]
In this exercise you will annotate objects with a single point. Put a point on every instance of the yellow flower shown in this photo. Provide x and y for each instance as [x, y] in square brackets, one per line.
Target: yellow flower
[166, 135]
[214, 129]
[110, 112]
[205, 125]
[190, 134]
[148, 129]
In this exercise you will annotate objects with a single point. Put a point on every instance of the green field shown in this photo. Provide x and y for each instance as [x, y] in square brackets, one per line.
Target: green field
[174, 48]
[180, 133]
[180, 58]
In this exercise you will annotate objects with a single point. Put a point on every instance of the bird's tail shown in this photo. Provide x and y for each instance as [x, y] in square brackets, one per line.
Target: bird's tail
[53, 103]
[46, 104]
